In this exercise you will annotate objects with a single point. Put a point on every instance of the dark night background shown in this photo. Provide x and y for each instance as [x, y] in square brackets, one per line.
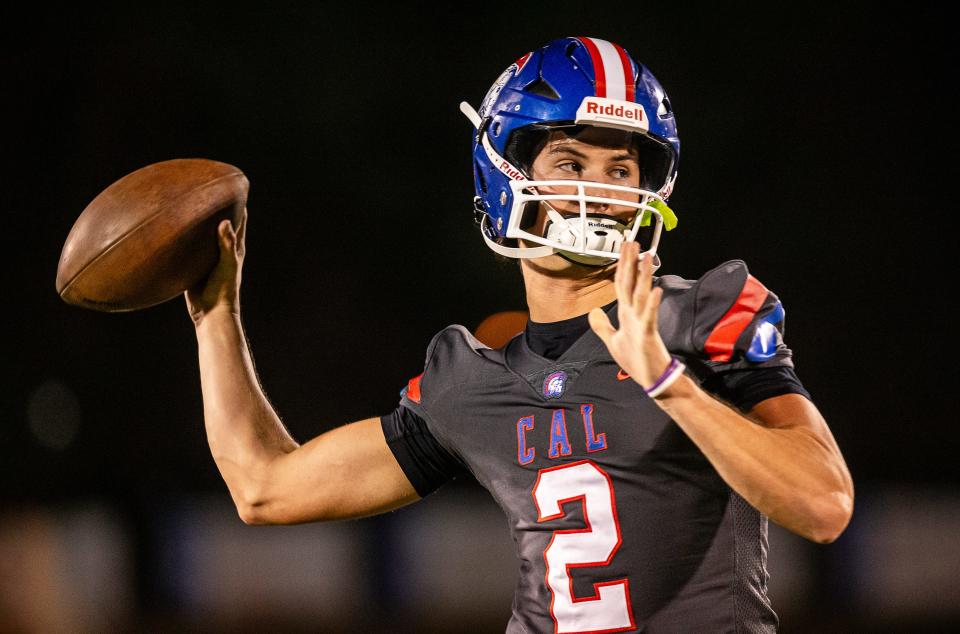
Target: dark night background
[817, 145]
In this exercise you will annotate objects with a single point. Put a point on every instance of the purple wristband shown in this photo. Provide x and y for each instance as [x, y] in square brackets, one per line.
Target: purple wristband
[671, 374]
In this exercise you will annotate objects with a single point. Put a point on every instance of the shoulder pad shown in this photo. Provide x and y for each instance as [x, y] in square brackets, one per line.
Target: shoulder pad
[735, 313]
[725, 317]
[453, 356]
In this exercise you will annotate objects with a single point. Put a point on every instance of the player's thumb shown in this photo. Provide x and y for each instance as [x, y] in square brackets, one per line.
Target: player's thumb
[601, 325]
[227, 238]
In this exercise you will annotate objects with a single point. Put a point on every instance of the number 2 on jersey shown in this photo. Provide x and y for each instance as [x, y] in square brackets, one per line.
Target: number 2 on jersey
[608, 610]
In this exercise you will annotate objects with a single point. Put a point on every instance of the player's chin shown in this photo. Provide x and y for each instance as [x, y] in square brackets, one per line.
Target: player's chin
[558, 266]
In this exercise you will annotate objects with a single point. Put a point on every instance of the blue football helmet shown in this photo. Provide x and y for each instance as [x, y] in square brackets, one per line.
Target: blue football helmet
[568, 84]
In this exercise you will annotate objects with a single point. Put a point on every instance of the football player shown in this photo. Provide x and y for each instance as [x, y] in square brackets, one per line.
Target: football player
[637, 434]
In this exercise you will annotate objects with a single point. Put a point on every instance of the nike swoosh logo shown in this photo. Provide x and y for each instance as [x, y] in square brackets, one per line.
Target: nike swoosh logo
[622, 376]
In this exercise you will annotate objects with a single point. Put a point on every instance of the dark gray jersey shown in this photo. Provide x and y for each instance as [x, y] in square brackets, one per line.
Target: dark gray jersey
[621, 523]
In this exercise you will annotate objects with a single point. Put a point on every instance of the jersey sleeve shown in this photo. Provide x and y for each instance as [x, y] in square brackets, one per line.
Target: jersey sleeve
[738, 324]
[746, 388]
[422, 458]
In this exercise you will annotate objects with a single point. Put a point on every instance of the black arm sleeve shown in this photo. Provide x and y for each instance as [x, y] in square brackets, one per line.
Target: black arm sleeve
[746, 388]
[424, 461]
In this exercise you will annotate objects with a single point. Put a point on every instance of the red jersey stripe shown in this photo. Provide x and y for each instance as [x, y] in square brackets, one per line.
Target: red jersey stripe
[721, 341]
[413, 389]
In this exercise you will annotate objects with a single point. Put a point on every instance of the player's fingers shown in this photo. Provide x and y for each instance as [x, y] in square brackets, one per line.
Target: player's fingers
[618, 282]
[226, 235]
[626, 272]
[641, 290]
[242, 231]
[601, 325]
[228, 243]
[652, 310]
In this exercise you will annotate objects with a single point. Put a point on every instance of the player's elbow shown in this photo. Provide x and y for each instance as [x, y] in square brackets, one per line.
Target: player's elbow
[251, 508]
[249, 517]
[254, 505]
[254, 491]
[264, 512]
[275, 510]
[831, 515]
[252, 514]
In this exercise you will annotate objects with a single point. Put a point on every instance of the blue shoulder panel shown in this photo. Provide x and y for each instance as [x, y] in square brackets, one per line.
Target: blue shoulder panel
[767, 336]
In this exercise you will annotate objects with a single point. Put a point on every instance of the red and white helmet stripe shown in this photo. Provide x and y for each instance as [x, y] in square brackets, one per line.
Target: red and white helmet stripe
[612, 69]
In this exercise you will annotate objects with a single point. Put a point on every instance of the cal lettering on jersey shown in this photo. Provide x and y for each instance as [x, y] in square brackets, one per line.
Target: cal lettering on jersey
[594, 442]
[559, 445]
[559, 438]
[525, 455]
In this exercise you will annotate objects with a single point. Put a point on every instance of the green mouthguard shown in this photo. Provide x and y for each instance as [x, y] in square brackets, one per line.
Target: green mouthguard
[669, 218]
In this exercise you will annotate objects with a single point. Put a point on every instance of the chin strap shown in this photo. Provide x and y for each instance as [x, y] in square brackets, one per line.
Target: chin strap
[522, 253]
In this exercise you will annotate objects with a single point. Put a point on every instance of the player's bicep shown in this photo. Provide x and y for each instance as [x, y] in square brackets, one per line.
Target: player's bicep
[345, 473]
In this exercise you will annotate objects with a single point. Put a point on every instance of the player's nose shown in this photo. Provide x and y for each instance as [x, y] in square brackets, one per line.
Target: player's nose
[600, 192]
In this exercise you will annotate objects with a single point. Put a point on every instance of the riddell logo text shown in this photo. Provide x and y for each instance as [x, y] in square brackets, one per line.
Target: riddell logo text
[511, 171]
[615, 111]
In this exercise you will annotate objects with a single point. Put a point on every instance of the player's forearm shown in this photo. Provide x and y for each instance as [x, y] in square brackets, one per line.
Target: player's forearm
[795, 478]
[244, 432]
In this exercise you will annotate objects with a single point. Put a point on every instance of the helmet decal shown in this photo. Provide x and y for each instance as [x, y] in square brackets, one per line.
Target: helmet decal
[520, 63]
[494, 92]
[495, 89]
[613, 113]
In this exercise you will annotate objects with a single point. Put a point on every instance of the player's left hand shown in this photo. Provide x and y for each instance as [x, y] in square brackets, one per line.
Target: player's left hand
[636, 345]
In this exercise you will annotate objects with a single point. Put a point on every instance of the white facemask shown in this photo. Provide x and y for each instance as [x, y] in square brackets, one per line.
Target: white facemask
[586, 238]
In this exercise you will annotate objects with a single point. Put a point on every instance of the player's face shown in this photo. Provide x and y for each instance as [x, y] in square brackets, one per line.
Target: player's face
[601, 155]
[597, 154]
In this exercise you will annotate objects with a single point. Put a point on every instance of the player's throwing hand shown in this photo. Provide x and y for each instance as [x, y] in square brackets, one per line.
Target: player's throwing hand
[636, 346]
[221, 289]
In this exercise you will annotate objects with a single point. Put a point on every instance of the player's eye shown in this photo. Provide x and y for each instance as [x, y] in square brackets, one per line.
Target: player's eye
[620, 172]
[570, 166]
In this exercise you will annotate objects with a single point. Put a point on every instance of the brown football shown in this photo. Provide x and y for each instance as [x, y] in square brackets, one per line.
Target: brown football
[499, 328]
[151, 235]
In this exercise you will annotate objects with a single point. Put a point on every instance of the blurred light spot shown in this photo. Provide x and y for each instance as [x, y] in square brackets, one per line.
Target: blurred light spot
[53, 412]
